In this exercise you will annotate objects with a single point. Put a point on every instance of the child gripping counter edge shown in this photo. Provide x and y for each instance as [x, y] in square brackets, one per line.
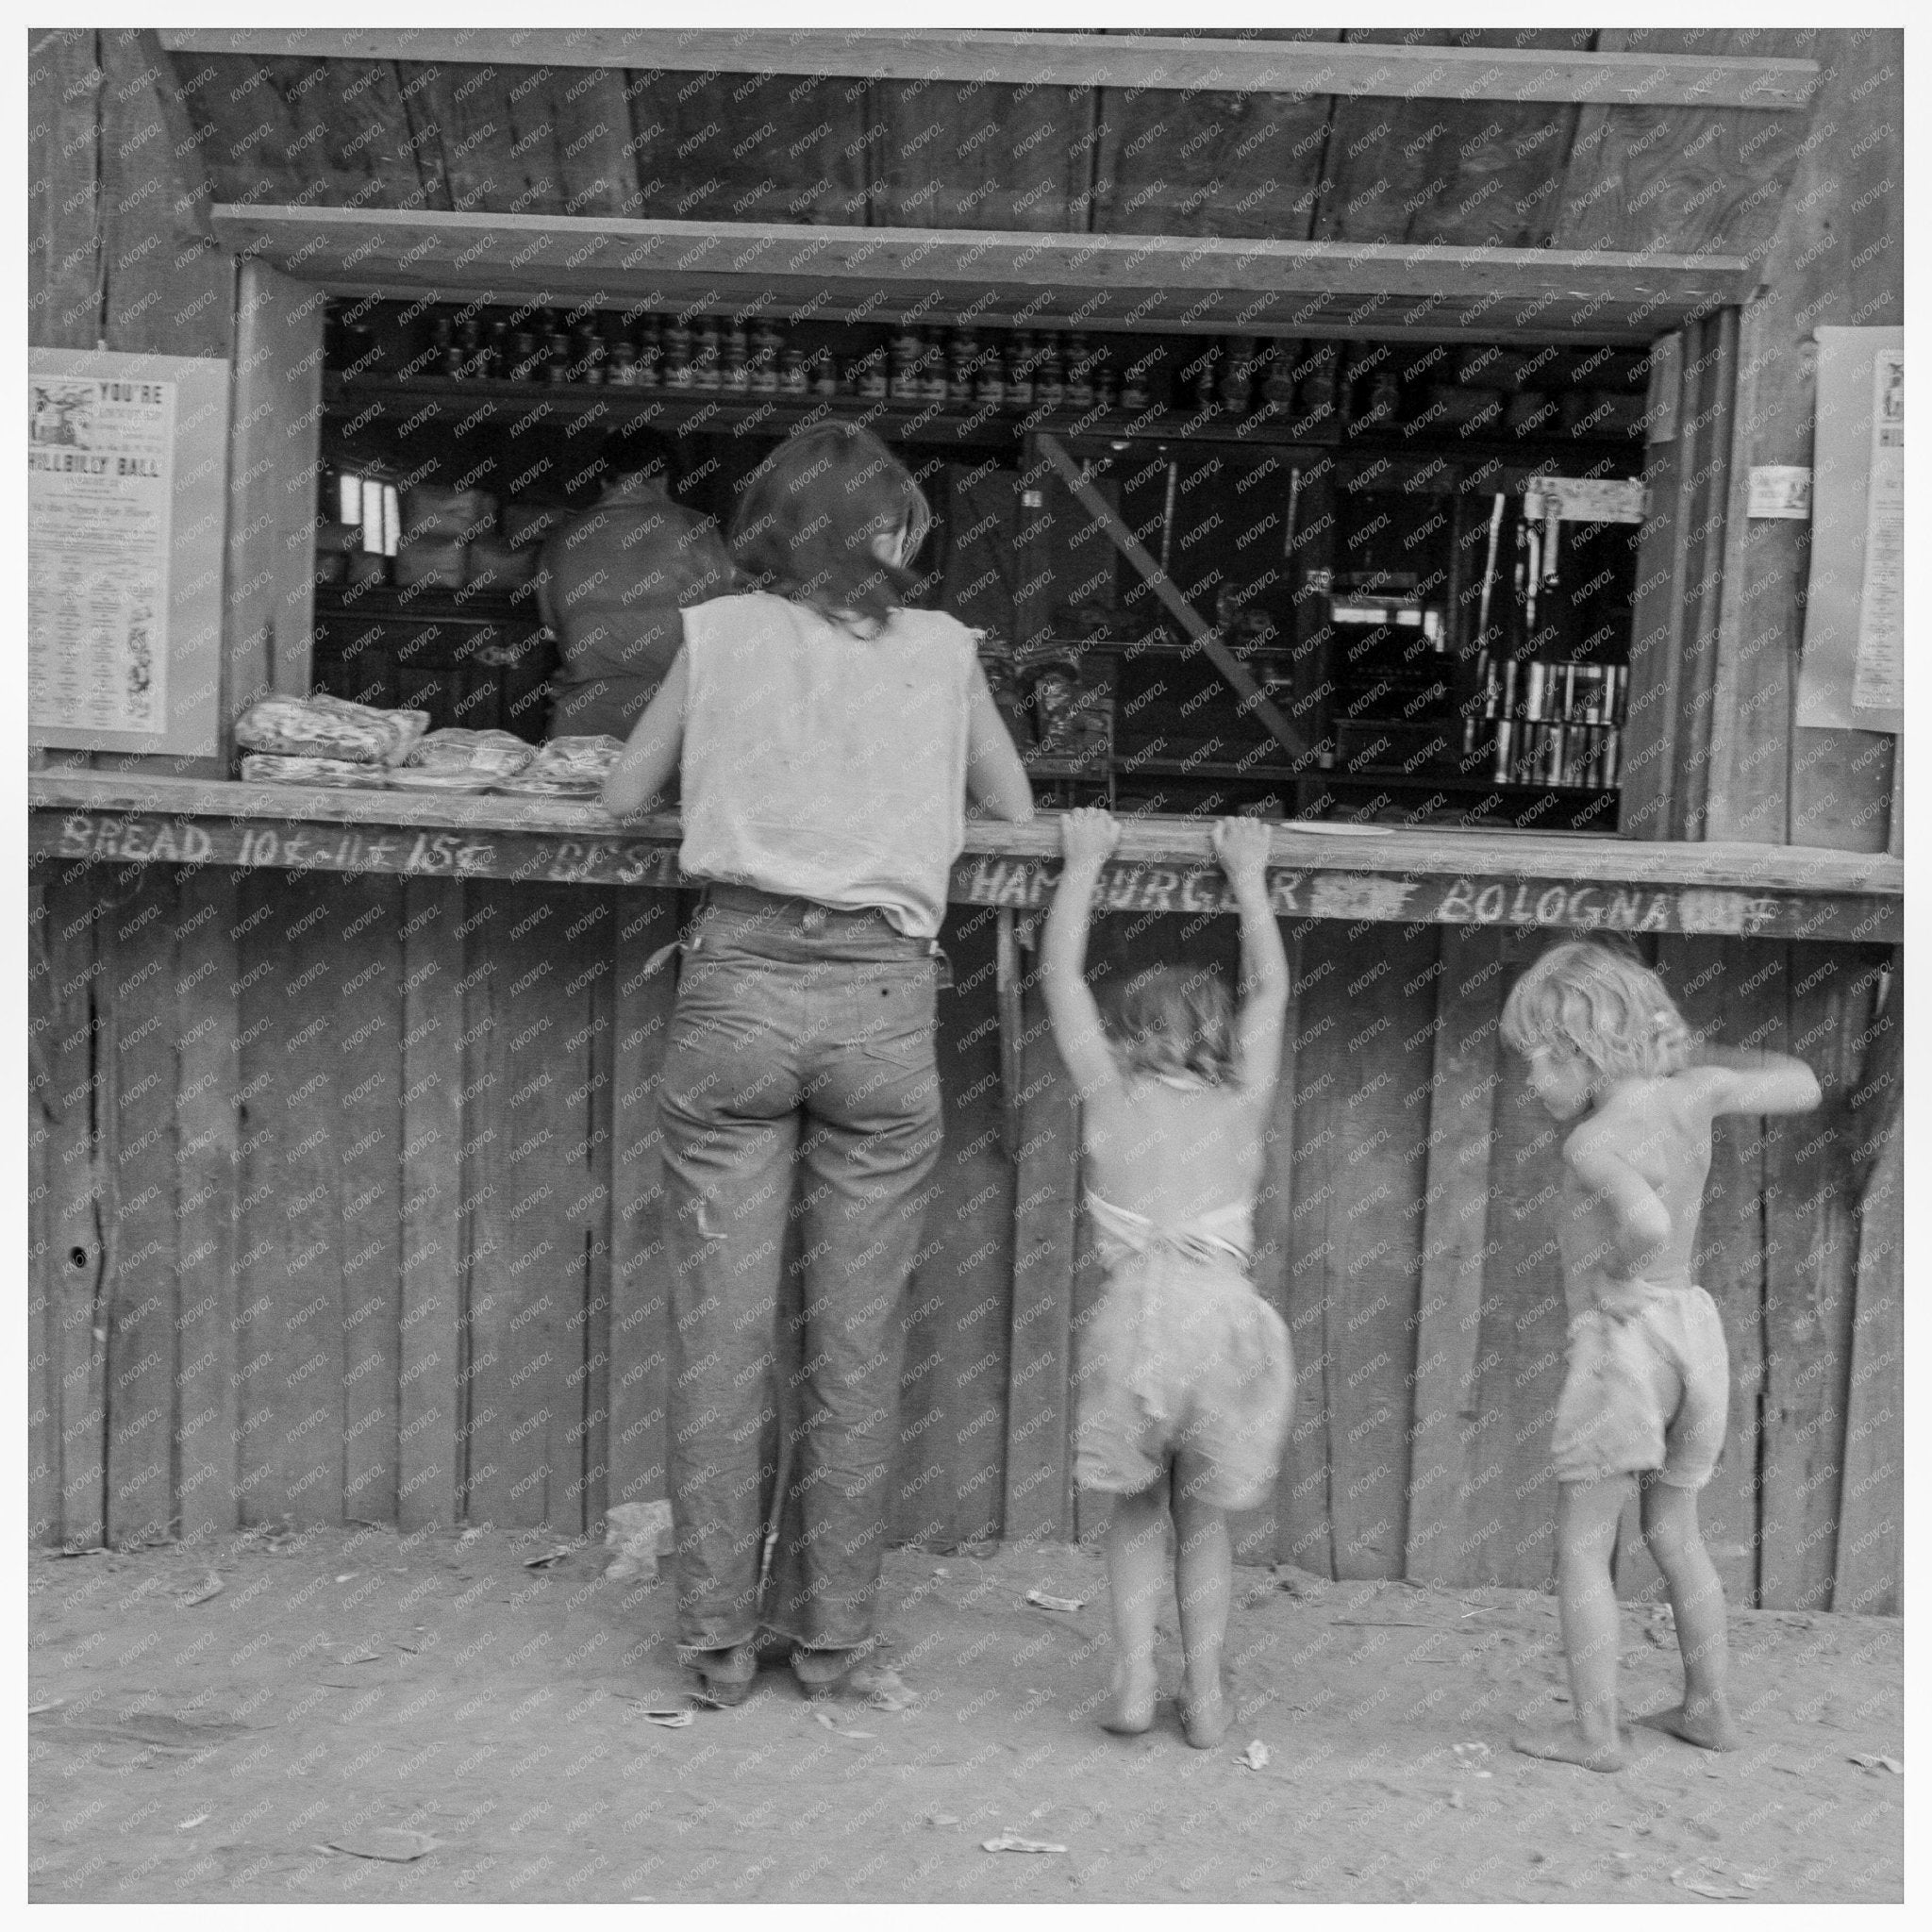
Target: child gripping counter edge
[1185, 1379]
[1646, 1386]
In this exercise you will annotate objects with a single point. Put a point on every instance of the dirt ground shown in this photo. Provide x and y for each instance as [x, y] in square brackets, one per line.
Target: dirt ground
[348, 1682]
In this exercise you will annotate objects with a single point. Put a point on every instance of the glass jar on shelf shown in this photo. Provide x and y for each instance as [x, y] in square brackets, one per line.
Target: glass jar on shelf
[1023, 365]
[1049, 380]
[678, 348]
[767, 351]
[705, 373]
[1079, 373]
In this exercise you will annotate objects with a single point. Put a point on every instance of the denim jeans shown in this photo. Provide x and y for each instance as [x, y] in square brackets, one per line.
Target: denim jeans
[799, 1030]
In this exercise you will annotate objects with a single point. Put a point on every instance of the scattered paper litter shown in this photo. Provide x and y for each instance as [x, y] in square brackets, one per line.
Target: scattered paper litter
[213, 1588]
[1299, 1582]
[386, 1841]
[199, 1818]
[1054, 1603]
[882, 1688]
[640, 1533]
[52, 1704]
[1874, 1762]
[1010, 1842]
[1256, 1756]
[832, 1723]
[1469, 1756]
[347, 1574]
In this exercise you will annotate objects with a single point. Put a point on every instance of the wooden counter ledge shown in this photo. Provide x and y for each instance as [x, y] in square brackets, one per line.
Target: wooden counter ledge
[1427, 876]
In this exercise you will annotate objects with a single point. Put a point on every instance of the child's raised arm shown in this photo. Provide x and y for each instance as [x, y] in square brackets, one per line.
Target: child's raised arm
[648, 761]
[1242, 846]
[1736, 1080]
[1087, 837]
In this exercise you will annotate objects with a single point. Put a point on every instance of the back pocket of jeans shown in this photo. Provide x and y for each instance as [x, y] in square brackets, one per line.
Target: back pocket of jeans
[902, 1011]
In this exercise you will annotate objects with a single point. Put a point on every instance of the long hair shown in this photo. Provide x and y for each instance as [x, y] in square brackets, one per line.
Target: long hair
[1604, 1004]
[805, 525]
[1177, 1019]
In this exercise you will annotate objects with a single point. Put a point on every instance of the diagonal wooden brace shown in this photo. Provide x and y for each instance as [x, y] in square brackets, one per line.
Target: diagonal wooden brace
[1253, 698]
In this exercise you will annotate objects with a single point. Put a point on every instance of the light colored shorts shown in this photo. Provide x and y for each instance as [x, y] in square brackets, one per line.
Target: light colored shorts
[1205, 1370]
[1648, 1388]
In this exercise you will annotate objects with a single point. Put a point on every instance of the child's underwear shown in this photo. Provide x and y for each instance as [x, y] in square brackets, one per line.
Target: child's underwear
[1182, 1354]
[1648, 1388]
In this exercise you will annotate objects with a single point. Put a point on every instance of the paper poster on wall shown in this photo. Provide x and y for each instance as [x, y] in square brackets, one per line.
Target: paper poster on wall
[126, 459]
[1850, 675]
[100, 460]
[1877, 682]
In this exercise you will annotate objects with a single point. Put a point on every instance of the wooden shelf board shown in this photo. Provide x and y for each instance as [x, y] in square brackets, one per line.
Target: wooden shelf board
[1203, 286]
[374, 399]
[1229, 63]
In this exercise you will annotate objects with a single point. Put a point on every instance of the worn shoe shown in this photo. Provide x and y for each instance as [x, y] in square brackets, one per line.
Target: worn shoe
[821, 1672]
[727, 1675]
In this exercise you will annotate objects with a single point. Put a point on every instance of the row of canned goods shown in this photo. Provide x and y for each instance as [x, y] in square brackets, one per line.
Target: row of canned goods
[955, 368]
[1587, 756]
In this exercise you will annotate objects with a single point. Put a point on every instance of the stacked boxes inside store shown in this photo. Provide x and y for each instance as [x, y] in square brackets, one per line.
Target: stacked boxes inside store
[1349, 518]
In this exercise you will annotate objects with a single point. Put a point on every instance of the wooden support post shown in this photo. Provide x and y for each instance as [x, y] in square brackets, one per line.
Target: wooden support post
[272, 463]
[1253, 698]
[68, 1258]
[640, 1312]
[1038, 1475]
[429, 1461]
[1006, 983]
[207, 1024]
[1868, 1571]
[1454, 1233]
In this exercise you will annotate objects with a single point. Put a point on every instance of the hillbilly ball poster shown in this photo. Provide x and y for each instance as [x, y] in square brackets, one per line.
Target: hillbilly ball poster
[99, 457]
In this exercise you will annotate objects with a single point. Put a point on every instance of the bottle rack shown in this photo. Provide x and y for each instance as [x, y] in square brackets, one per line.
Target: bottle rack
[1556, 725]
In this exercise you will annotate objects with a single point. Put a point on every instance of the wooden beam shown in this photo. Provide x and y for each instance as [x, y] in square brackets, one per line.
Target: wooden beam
[1228, 63]
[1224, 661]
[1162, 864]
[1198, 285]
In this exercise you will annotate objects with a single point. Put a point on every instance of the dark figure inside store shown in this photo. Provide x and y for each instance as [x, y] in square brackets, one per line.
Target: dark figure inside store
[613, 581]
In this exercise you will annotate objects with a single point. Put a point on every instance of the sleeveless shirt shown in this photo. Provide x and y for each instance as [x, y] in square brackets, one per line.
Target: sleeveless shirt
[825, 765]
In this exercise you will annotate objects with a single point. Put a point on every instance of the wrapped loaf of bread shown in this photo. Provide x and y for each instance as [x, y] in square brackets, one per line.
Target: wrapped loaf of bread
[486, 754]
[326, 727]
[266, 768]
[566, 768]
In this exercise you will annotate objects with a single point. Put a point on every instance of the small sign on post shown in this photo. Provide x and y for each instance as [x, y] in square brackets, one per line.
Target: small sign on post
[1780, 489]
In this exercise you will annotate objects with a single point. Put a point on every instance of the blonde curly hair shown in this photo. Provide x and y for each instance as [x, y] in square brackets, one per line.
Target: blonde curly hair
[1605, 1005]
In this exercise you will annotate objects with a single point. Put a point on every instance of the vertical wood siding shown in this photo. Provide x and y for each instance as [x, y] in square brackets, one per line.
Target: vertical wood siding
[345, 1205]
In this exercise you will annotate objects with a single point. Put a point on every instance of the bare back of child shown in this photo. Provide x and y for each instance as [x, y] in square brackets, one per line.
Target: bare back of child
[1185, 1377]
[1645, 1397]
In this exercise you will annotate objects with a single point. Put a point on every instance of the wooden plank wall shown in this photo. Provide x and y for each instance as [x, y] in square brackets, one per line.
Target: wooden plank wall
[344, 1207]
[1837, 258]
[849, 150]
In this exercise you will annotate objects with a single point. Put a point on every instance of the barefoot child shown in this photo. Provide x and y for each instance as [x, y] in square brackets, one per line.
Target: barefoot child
[1186, 1380]
[1648, 1383]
